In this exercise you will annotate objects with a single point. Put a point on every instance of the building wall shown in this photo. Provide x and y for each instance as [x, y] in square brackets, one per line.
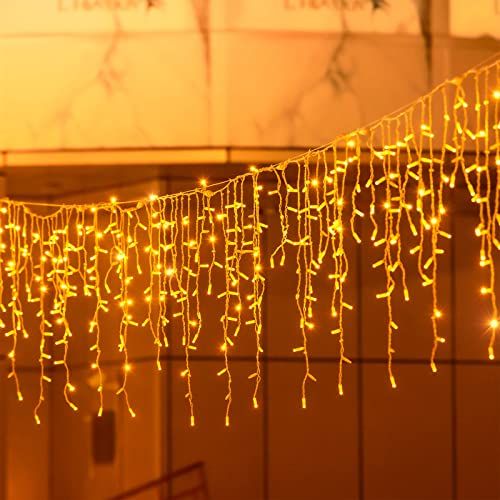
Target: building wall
[436, 436]
[120, 78]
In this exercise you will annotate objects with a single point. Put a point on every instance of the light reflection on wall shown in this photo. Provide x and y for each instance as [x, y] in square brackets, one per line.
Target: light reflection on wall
[210, 72]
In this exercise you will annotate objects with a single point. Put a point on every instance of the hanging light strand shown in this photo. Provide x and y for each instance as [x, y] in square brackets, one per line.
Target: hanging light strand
[153, 264]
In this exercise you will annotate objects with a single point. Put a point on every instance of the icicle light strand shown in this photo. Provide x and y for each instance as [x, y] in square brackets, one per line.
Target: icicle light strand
[174, 252]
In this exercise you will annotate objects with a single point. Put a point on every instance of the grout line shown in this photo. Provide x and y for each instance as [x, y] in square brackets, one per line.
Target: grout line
[169, 431]
[4, 432]
[360, 412]
[271, 359]
[265, 397]
[453, 375]
[169, 403]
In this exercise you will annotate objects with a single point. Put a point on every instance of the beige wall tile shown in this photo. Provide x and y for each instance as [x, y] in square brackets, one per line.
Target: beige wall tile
[478, 432]
[407, 434]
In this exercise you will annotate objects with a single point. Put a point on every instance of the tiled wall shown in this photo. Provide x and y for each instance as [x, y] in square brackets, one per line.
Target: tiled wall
[437, 436]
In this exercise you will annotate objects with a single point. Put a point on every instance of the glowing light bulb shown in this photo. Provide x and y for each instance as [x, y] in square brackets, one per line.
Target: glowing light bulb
[68, 253]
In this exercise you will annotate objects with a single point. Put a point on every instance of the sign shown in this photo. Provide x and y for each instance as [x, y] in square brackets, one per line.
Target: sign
[357, 16]
[43, 17]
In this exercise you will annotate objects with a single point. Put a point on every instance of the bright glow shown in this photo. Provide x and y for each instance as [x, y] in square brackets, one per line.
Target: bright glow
[160, 253]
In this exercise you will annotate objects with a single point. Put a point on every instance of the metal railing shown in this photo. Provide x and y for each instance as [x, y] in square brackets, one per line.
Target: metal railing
[199, 491]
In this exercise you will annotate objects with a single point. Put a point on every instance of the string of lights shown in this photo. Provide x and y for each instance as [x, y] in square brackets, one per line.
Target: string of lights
[156, 261]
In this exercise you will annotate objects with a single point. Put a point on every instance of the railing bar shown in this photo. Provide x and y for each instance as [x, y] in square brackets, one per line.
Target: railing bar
[182, 494]
[156, 482]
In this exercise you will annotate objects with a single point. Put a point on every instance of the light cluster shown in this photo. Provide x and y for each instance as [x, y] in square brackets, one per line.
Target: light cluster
[170, 252]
